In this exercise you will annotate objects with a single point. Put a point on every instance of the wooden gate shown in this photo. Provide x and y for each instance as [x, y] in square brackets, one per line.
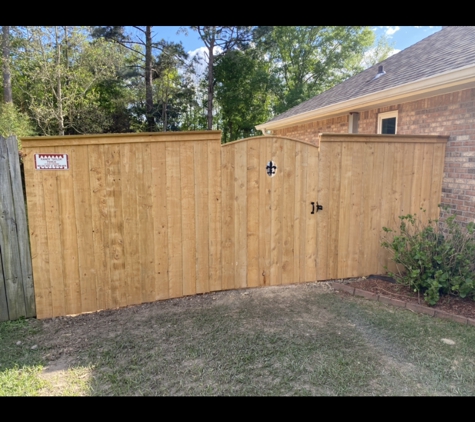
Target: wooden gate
[273, 232]
[269, 193]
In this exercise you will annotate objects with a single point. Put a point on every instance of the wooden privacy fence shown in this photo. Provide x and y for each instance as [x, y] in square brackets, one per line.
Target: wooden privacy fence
[133, 219]
[117, 220]
[16, 282]
[273, 232]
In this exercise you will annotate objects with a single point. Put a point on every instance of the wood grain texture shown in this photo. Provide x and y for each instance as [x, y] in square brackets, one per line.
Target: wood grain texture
[160, 219]
[12, 279]
[253, 167]
[228, 209]
[68, 233]
[22, 226]
[288, 216]
[174, 204]
[201, 185]
[215, 216]
[240, 219]
[155, 217]
[38, 238]
[277, 181]
[333, 154]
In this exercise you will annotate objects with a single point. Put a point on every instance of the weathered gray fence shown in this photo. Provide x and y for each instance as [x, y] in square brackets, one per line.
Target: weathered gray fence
[17, 296]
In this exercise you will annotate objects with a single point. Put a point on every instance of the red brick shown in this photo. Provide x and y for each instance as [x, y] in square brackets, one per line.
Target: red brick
[452, 114]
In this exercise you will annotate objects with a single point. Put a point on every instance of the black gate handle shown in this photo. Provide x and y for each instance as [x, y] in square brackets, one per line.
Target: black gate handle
[319, 207]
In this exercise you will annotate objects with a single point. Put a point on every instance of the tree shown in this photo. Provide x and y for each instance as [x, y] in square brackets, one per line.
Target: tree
[307, 60]
[143, 44]
[12, 121]
[7, 82]
[243, 92]
[64, 69]
[222, 39]
[168, 80]
[378, 52]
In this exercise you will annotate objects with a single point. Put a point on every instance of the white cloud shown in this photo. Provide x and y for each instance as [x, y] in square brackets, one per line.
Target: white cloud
[203, 52]
[390, 30]
[368, 57]
[201, 55]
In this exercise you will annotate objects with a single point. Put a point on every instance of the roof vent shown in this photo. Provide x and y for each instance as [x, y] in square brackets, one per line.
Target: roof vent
[381, 72]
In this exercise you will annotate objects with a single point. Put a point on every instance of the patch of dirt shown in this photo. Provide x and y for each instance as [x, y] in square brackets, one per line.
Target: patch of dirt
[387, 287]
[65, 337]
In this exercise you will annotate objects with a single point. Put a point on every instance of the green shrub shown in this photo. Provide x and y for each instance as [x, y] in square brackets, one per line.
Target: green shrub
[430, 261]
[13, 122]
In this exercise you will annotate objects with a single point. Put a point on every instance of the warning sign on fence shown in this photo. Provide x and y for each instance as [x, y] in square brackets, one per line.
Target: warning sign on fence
[51, 162]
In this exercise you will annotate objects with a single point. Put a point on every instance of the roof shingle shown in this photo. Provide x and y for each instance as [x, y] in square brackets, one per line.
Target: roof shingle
[450, 48]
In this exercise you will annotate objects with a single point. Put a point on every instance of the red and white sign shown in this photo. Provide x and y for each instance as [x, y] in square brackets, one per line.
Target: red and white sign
[51, 162]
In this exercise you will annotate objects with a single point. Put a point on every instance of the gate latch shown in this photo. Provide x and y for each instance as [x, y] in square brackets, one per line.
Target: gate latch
[319, 207]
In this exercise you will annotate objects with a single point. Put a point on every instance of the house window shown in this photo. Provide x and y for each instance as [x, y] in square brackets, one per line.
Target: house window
[353, 122]
[387, 123]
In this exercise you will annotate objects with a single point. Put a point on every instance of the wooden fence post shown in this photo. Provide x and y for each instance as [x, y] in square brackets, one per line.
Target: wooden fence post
[17, 297]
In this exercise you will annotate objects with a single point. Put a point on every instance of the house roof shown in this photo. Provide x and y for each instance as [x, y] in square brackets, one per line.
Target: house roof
[451, 48]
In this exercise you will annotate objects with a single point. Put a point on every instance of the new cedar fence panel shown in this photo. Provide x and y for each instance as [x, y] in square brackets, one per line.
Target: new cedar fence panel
[130, 219]
[137, 218]
[379, 178]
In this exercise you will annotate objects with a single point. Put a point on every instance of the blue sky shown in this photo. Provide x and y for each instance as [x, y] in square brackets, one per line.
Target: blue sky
[401, 36]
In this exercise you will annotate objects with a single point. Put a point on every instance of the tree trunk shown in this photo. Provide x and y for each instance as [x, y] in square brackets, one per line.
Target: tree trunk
[148, 80]
[210, 83]
[59, 94]
[7, 81]
[164, 114]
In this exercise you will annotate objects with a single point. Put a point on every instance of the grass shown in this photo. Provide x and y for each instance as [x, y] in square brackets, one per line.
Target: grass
[20, 365]
[298, 340]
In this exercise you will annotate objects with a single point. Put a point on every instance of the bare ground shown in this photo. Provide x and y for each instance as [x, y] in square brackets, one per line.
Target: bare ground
[301, 339]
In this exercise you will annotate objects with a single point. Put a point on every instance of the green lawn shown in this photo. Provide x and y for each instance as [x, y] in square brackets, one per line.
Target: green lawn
[296, 340]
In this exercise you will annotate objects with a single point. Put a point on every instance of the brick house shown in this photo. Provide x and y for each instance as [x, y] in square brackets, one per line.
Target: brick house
[426, 89]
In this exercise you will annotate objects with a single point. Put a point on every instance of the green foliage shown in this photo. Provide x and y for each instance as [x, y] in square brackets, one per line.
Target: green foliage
[378, 52]
[13, 122]
[242, 92]
[72, 80]
[307, 60]
[432, 262]
[56, 75]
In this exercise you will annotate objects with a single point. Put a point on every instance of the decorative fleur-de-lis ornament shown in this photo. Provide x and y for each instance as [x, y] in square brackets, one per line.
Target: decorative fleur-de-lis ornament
[271, 168]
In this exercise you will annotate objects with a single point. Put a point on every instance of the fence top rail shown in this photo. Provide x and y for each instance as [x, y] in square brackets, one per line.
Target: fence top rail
[269, 137]
[119, 138]
[369, 137]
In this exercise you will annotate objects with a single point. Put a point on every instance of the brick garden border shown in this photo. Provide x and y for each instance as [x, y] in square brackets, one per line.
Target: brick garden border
[420, 309]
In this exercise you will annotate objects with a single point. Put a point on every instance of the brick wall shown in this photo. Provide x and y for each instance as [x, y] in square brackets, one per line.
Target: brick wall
[449, 114]
[308, 132]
